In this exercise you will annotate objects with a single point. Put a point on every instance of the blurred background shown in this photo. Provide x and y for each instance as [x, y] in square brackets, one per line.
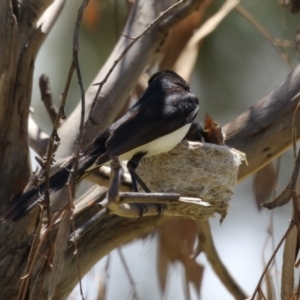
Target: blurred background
[236, 67]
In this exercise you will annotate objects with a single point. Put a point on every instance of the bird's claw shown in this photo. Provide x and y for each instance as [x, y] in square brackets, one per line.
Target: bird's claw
[142, 209]
[160, 208]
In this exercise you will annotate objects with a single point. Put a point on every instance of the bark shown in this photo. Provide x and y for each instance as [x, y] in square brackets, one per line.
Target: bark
[16, 68]
[265, 130]
[263, 133]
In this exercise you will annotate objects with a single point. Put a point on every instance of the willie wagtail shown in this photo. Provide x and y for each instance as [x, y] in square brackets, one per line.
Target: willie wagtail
[155, 124]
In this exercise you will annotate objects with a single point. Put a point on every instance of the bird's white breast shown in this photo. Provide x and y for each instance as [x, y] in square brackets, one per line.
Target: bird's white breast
[160, 145]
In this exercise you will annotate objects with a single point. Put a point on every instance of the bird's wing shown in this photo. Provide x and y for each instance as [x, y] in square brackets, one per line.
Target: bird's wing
[149, 122]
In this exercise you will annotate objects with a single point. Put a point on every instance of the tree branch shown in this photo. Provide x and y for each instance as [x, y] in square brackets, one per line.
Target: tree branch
[28, 14]
[46, 97]
[16, 69]
[37, 139]
[265, 130]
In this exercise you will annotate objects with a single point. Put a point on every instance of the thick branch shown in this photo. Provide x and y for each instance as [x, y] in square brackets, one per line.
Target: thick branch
[28, 14]
[15, 91]
[94, 245]
[265, 130]
[46, 97]
[16, 69]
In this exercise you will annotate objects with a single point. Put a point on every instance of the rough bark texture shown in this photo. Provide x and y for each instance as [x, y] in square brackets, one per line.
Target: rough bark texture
[262, 133]
[265, 130]
[16, 71]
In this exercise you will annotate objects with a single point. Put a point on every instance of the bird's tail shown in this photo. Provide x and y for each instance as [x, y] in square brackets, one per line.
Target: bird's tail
[21, 206]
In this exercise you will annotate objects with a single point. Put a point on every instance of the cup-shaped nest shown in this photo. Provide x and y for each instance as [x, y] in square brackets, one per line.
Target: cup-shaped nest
[192, 169]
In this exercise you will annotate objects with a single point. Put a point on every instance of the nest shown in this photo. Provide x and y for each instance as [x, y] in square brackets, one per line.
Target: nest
[192, 169]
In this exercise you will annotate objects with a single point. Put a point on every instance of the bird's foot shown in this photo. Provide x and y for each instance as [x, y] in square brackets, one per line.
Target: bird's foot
[160, 208]
[142, 209]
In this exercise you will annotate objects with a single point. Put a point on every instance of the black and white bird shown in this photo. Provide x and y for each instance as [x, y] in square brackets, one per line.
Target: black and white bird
[155, 124]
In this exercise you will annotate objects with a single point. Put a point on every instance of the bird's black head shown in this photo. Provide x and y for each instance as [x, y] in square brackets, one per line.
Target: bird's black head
[169, 77]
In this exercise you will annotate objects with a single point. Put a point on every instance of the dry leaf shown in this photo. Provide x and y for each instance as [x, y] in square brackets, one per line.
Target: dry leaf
[193, 273]
[281, 200]
[162, 267]
[176, 243]
[177, 238]
[263, 184]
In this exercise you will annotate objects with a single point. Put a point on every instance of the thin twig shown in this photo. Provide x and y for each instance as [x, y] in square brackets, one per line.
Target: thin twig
[35, 254]
[288, 264]
[240, 9]
[75, 62]
[132, 197]
[261, 294]
[43, 268]
[76, 252]
[46, 97]
[32, 255]
[271, 260]
[170, 20]
[131, 210]
[271, 228]
[123, 260]
[82, 230]
[54, 137]
[72, 177]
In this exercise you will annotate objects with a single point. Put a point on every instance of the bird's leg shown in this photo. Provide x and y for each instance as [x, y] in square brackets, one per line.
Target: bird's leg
[132, 165]
[115, 180]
